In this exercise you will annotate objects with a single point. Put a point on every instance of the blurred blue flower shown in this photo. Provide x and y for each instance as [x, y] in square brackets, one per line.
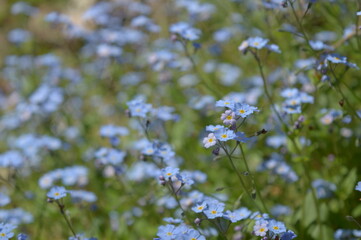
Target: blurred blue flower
[57, 193]
[4, 199]
[6, 231]
[358, 186]
[22, 236]
[289, 235]
[324, 189]
[23, 8]
[18, 36]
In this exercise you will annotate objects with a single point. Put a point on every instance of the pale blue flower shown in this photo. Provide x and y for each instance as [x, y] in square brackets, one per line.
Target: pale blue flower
[57, 193]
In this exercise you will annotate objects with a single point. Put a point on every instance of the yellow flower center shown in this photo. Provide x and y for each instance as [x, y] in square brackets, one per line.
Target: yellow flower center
[200, 208]
[56, 194]
[276, 228]
[214, 212]
[168, 174]
[210, 140]
[256, 43]
[2, 234]
[169, 233]
[261, 229]
[229, 117]
[224, 136]
[242, 111]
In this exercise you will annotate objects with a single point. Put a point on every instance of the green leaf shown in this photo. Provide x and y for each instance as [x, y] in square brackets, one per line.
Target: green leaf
[356, 212]
[310, 210]
[324, 212]
[327, 232]
[348, 184]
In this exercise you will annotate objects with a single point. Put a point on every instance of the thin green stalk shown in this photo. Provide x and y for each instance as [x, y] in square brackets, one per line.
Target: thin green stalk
[145, 129]
[195, 68]
[301, 27]
[268, 95]
[357, 28]
[352, 219]
[338, 89]
[240, 177]
[171, 188]
[218, 228]
[62, 211]
[252, 178]
[351, 91]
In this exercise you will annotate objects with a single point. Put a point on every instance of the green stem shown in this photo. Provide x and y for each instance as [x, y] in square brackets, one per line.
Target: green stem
[171, 188]
[240, 177]
[218, 227]
[268, 95]
[338, 89]
[253, 180]
[62, 211]
[301, 27]
[195, 68]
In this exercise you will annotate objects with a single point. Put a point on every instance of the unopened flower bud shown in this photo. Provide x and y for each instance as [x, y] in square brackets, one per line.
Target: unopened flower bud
[174, 37]
[128, 113]
[216, 151]
[197, 221]
[237, 228]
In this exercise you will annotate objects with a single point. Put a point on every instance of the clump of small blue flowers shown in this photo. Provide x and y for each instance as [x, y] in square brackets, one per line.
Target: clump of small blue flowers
[185, 31]
[277, 165]
[169, 232]
[138, 108]
[330, 116]
[272, 229]
[324, 189]
[294, 99]
[235, 112]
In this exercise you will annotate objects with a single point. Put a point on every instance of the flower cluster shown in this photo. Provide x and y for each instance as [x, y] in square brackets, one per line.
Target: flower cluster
[294, 99]
[278, 166]
[235, 112]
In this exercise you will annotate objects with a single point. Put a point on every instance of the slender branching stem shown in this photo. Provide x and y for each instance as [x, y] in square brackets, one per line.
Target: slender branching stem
[239, 176]
[252, 178]
[195, 68]
[62, 211]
